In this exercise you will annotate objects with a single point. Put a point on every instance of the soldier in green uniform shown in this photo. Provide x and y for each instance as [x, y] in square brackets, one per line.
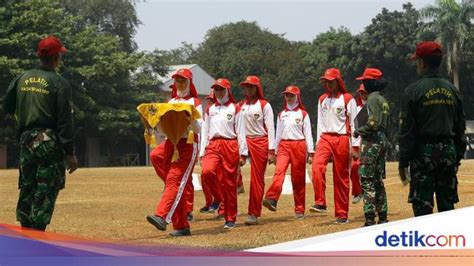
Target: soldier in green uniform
[432, 141]
[371, 124]
[41, 102]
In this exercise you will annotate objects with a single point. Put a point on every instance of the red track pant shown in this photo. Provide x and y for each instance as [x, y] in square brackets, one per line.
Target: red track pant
[355, 179]
[290, 152]
[160, 158]
[337, 147]
[221, 161]
[258, 152]
[178, 184]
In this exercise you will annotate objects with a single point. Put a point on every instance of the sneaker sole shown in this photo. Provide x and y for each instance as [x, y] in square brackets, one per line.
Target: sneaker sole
[173, 235]
[317, 210]
[269, 206]
[155, 224]
[251, 223]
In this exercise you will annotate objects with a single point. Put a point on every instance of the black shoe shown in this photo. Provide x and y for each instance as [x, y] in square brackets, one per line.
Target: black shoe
[241, 190]
[369, 219]
[204, 209]
[317, 208]
[220, 217]
[157, 221]
[181, 232]
[190, 217]
[214, 207]
[270, 204]
[341, 221]
[382, 218]
[229, 225]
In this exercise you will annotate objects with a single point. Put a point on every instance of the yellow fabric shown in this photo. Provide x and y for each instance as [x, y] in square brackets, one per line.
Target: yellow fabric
[174, 119]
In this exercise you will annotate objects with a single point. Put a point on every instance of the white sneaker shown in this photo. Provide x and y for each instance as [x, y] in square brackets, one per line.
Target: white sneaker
[251, 220]
[356, 199]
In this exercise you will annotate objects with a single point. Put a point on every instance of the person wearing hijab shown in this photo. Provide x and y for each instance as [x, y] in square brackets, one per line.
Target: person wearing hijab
[177, 200]
[221, 150]
[336, 112]
[357, 195]
[294, 145]
[259, 131]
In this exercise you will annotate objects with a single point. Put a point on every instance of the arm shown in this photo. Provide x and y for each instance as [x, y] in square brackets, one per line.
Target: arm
[241, 135]
[406, 131]
[319, 123]
[270, 124]
[9, 104]
[196, 124]
[65, 120]
[459, 129]
[278, 133]
[352, 109]
[308, 135]
[204, 135]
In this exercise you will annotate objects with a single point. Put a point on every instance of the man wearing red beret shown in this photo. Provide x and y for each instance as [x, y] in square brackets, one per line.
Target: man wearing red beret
[41, 101]
[431, 134]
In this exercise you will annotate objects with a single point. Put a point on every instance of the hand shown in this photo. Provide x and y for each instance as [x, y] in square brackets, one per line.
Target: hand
[271, 159]
[355, 153]
[404, 175]
[310, 158]
[72, 164]
[356, 134]
[242, 160]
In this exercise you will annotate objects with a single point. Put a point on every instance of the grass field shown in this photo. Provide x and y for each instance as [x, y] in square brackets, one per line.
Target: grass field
[112, 203]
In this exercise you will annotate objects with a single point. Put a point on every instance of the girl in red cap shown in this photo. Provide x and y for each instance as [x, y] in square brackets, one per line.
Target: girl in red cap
[177, 199]
[220, 149]
[259, 130]
[336, 112]
[294, 143]
[357, 195]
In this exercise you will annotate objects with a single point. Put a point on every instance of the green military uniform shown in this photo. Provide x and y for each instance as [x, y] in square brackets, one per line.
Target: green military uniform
[372, 157]
[432, 142]
[41, 102]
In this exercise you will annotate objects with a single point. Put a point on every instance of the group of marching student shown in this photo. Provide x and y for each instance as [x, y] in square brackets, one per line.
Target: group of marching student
[231, 132]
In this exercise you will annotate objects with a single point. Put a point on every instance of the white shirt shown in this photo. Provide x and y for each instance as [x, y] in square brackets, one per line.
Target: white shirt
[222, 121]
[294, 125]
[258, 122]
[332, 116]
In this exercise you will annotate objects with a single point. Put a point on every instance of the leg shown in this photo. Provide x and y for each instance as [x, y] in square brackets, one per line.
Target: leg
[355, 178]
[298, 172]
[258, 151]
[321, 159]
[341, 166]
[158, 160]
[210, 164]
[228, 178]
[380, 193]
[176, 183]
[283, 161]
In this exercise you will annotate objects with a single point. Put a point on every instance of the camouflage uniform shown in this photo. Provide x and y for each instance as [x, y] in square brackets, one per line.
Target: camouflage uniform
[41, 101]
[372, 158]
[432, 142]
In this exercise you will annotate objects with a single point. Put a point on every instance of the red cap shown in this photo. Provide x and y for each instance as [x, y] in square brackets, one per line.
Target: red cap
[371, 73]
[255, 81]
[292, 90]
[50, 45]
[184, 73]
[424, 49]
[187, 74]
[223, 83]
[296, 91]
[334, 74]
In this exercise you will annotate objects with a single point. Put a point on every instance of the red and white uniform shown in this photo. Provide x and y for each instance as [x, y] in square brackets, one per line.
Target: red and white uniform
[355, 178]
[294, 141]
[259, 131]
[220, 152]
[335, 124]
[178, 196]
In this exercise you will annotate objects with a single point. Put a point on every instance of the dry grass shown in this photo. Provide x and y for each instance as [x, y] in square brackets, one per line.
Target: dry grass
[112, 203]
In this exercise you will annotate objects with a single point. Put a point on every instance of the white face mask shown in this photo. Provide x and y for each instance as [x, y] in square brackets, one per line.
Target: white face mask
[183, 93]
[224, 99]
[292, 106]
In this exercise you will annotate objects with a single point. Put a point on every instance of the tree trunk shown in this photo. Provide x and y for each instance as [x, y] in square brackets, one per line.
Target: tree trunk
[456, 65]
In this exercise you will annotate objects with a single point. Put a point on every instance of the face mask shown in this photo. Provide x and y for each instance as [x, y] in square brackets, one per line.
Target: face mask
[183, 93]
[224, 99]
[292, 106]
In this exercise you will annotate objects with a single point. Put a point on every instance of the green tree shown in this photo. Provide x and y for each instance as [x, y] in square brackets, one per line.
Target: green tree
[452, 22]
